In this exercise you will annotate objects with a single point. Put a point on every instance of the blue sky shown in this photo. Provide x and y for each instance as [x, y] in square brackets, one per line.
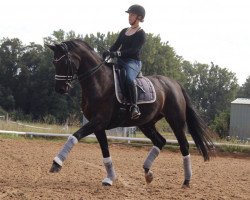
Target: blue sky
[199, 30]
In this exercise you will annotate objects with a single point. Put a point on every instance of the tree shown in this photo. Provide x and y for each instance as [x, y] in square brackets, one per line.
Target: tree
[61, 36]
[244, 91]
[221, 123]
[10, 52]
[160, 58]
[28, 65]
[212, 88]
[7, 100]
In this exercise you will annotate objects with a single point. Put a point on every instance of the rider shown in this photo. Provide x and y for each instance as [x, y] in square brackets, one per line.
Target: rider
[127, 49]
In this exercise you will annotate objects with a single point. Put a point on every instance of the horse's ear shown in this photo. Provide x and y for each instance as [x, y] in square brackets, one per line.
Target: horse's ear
[52, 47]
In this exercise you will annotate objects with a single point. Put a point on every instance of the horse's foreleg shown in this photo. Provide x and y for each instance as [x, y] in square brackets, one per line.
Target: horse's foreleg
[111, 176]
[63, 153]
[72, 140]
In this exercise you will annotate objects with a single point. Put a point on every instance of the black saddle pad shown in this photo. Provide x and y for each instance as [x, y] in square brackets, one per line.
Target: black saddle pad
[145, 88]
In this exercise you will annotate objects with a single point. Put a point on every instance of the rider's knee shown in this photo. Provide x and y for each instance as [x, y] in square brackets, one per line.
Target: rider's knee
[131, 81]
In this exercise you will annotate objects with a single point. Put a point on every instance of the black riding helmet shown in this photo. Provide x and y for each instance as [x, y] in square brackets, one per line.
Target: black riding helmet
[138, 10]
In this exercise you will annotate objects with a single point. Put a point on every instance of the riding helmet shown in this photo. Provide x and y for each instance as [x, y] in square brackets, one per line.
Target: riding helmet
[138, 10]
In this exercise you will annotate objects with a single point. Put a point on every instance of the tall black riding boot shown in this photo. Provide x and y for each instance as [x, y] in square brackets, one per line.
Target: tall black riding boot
[134, 109]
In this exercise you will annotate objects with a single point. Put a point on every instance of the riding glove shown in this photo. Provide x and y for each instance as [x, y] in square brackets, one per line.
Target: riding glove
[105, 54]
[111, 54]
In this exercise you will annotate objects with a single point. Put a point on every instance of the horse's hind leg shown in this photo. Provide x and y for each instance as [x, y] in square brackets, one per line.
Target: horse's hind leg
[111, 176]
[158, 142]
[178, 127]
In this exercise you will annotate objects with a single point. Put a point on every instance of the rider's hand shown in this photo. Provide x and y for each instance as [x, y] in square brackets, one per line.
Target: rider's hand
[113, 54]
[105, 54]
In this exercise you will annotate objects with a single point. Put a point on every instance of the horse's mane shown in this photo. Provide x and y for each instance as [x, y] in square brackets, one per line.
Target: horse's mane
[74, 43]
[71, 44]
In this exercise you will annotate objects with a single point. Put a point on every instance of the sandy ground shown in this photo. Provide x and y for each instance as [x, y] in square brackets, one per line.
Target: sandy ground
[25, 164]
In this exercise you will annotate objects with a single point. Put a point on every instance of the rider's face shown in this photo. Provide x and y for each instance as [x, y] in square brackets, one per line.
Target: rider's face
[132, 18]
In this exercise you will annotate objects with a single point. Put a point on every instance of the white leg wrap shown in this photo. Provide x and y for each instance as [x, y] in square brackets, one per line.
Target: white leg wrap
[107, 160]
[111, 176]
[187, 167]
[154, 152]
[62, 155]
[58, 161]
[107, 181]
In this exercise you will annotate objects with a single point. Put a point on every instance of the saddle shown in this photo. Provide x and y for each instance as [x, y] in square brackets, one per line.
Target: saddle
[145, 88]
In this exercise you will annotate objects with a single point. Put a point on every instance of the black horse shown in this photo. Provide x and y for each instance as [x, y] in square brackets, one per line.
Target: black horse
[76, 59]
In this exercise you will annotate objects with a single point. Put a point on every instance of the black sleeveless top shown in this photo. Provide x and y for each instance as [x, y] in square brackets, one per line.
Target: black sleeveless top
[129, 46]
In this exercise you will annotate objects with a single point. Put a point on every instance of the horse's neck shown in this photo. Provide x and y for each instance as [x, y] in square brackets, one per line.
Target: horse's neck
[99, 84]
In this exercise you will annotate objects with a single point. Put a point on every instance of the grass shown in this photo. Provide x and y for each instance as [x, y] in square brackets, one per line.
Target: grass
[231, 146]
[234, 149]
[36, 127]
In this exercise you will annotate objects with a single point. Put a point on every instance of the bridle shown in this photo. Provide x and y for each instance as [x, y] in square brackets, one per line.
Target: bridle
[72, 71]
[71, 68]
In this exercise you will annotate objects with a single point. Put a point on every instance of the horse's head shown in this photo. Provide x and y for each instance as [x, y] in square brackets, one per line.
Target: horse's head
[66, 63]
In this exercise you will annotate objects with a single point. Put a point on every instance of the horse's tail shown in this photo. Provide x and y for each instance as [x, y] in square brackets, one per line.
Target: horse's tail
[198, 129]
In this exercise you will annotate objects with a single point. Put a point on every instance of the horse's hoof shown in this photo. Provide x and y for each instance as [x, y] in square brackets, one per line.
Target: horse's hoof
[186, 184]
[149, 177]
[107, 182]
[55, 168]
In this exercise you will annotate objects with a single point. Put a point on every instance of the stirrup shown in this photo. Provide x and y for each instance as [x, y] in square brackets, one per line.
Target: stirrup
[135, 112]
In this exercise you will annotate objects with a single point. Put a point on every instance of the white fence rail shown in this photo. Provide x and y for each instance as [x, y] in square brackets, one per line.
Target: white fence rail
[21, 124]
[90, 136]
[110, 137]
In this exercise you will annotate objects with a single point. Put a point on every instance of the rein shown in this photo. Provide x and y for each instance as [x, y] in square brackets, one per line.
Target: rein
[86, 75]
[90, 72]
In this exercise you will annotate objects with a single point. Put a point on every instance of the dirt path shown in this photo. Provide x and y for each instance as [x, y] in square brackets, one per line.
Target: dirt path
[25, 164]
